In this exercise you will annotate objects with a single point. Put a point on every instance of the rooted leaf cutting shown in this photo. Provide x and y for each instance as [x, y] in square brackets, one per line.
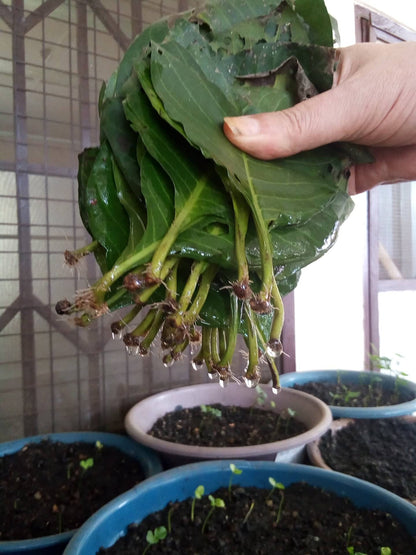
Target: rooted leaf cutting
[198, 238]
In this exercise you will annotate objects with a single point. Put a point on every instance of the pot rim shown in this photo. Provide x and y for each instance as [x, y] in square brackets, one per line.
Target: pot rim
[134, 418]
[151, 460]
[153, 494]
[383, 411]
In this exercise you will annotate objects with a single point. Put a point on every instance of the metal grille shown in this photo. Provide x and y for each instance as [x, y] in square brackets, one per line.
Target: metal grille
[54, 56]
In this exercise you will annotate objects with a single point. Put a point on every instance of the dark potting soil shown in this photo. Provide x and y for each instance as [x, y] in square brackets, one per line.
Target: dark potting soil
[226, 426]
[310, 522]
[372, 394]
[45, 490]
[381, 451]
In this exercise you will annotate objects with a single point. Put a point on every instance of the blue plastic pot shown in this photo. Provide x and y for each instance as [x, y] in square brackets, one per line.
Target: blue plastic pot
[109, 523]
[55, 544]
[353, 378]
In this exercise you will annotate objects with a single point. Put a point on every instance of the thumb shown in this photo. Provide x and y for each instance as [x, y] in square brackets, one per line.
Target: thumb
[320, 120]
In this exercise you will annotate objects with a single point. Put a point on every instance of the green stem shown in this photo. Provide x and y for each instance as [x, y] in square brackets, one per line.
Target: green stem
[145, 324]
[72, 257]
[153, 330]
[145, 295]
[206, 349]
[104, 284]
[201, 296]
[179, 224]
[265, 246]
[117, 327]
[241, 218]
[113, 300]
[270, 360]
[188, 291]
[222, 342]
[215, 355]
[252, 345]
[175, 353]
[212, 509]
[279, 312]
[227, 356]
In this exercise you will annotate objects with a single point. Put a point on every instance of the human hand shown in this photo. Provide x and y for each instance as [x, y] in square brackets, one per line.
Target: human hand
[372, 102]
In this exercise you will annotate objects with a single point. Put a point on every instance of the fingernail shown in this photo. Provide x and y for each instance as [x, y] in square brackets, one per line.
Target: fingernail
[241, 126]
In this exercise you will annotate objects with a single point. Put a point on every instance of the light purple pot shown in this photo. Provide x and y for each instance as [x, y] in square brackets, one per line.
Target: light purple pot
[309, 410]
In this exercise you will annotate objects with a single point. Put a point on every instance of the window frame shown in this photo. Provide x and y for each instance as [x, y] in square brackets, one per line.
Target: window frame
[372, 26]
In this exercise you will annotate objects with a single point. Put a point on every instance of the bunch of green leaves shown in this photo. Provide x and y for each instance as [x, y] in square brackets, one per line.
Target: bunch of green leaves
[199, 239]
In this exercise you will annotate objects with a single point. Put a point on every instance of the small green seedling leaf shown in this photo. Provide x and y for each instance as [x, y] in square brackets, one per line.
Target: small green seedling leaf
[198, 494]
[351, 395]
[352, 551]
[216, 502]
[385, 551]
[99, 445]
[155, 536]
[207, 409]
[235, 470]
[275, 485]
[281, 488]
[261, 396]
[86, 463]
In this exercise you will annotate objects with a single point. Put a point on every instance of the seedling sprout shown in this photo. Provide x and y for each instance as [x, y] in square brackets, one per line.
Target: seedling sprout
[155, 536]
[198, 494]
[86, 463]
[234, 470]
[216, 502]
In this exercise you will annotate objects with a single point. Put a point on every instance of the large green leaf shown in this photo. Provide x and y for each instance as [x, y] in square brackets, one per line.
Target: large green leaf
[222, 16]
[133, 209]
[122, 140]
[286, 191]
[158, 193]
[296, 246]
[108, 221]
[166, 189]
[316, 16]
[199, 195]
[86, 161]
[157, 32]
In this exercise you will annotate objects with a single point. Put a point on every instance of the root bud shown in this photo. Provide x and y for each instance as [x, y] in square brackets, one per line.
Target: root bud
[63, 306]
[134, 282]
[261, 306]
[242, 290]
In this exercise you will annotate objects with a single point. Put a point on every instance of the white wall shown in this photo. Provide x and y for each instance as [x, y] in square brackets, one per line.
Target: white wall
[329, 311]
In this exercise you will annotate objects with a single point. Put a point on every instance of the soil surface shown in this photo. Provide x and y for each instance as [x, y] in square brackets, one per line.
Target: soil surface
[45, 490]
[340, 394]
[226, 426]
[381, 451]
[310, 522]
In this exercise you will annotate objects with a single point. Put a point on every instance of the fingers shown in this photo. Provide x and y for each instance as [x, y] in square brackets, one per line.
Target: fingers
[309, 124]
[391, 165]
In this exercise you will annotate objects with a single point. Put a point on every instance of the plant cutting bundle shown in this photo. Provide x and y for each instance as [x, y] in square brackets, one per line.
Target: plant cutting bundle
[199, 239]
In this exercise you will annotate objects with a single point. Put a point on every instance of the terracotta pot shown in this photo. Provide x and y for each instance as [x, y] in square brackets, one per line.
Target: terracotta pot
[309, 410]
[353, 378]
